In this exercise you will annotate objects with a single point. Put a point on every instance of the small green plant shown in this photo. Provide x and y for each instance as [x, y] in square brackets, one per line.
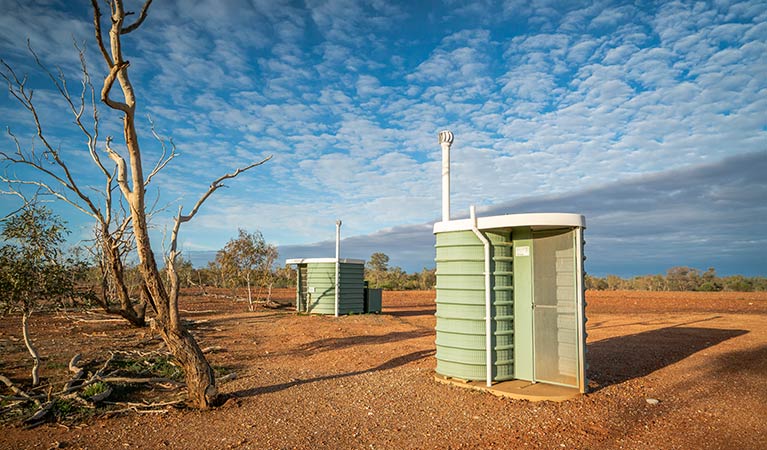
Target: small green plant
[15, 414]
[160, 365]
[94, 389]
[163, 366]
[52, 365]
[62, 408]
[67, 411]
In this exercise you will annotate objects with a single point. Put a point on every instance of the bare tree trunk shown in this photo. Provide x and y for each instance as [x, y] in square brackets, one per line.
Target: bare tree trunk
[258, 293]
[31, 348]
[200, 379]
[116, 271]
[250, 296]
[202, 287]
[201, 384]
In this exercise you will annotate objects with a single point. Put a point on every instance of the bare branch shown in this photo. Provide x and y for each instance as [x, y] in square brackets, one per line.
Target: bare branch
[163, 160]
[39, 414]
[103, 369]
[217, 184]
[44, 187]
[24, 200]
[67, 181]
[16, 390]
[122, 171]
[139, 21]
[89, 89]
[16, 86]
[109, 81]
[97, 28]
[73, 363]
[154, 380]
[78, 110]
[18, 89]
[180, 218]
[78, 372]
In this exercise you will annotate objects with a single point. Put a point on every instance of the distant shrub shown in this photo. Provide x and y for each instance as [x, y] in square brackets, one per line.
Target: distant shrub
[679, 279]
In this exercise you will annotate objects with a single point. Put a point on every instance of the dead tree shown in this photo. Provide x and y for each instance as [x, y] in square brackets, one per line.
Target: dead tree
[55, 178]
[201, 384]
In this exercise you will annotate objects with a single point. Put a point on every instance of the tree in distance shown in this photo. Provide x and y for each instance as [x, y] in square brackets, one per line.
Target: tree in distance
[250, 258]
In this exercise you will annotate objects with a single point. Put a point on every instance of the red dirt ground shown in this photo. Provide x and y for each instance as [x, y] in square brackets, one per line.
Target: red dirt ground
[367, 381]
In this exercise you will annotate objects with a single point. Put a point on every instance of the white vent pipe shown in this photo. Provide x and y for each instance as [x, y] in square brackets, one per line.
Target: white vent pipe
[445, 141]
[338, 263]
[488, 309]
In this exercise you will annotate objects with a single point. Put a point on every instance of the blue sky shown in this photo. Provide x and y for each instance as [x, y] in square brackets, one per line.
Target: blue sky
[650, 118]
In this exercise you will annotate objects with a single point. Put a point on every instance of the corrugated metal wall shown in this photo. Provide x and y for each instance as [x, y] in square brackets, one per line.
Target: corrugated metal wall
[461, 305]
[320, 278]
[352, 289]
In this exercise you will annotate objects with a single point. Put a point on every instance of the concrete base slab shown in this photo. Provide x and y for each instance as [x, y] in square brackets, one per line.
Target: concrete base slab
[517, 389]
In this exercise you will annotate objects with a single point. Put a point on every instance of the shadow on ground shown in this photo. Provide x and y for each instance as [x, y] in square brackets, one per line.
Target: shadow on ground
[751, 361]
[622, 358]
[392, 363]
[410, 312]
[336, 343]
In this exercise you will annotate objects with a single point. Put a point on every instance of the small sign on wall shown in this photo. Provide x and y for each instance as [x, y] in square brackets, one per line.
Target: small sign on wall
[522, 251]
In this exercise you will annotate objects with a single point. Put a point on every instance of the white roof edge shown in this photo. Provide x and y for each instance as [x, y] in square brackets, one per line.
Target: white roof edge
[534, 220]
[323, 260]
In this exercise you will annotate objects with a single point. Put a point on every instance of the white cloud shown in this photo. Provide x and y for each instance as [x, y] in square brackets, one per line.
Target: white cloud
[543, 98]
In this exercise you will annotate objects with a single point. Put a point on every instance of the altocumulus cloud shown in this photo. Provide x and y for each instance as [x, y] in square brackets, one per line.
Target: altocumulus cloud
[609, 107]
[701, 216]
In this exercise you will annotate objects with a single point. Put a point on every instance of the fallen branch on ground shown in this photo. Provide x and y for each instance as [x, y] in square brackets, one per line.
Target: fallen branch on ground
[16, 390]
[73, 389]
[154, 380]
[227, 377]
[138, 407]
[212, 349]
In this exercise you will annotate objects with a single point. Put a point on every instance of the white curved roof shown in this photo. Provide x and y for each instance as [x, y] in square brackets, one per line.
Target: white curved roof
[537, 221]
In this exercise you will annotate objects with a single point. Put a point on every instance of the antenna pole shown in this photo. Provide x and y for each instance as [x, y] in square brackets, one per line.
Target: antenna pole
[445, 141]
[338, 263]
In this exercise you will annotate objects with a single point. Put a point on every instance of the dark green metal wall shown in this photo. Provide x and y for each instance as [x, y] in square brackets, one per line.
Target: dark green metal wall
[321, 277]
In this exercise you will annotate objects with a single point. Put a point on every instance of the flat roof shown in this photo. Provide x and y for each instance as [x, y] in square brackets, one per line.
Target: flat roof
[537, 221]
[323, 260]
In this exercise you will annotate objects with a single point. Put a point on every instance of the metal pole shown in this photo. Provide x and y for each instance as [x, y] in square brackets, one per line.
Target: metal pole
[298, 288]
[580, 309]
[338, 262]
[445, 141]
[488, 299]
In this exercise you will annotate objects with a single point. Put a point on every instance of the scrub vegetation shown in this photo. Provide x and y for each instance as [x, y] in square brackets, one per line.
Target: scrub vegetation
[680, 279]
